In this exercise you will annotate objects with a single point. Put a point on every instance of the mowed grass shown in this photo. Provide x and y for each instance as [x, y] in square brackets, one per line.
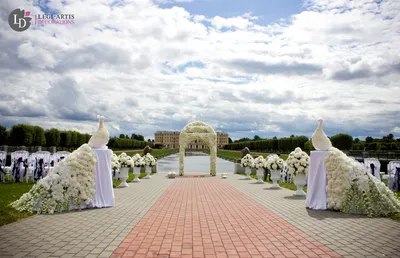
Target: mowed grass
[235, 155]
[116, 182]
[289, 186]
[10, 192]
[157, 153]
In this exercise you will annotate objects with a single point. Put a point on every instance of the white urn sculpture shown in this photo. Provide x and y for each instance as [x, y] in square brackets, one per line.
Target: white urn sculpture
[136, 173]
[275, 176]
[299, 180]
[148, 172]
[260, 174]
[319, 139]
[123, 176]
[247, 172]
[100, 139]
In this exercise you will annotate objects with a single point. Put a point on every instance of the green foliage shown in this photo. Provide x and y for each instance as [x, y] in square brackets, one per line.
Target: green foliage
[52, 137]
[21, 135]
[123, 143]
[38, 136]
[369, 139]
[308, 146]
[356, 140]
[279, 145]
[342, 141]
[3, 135]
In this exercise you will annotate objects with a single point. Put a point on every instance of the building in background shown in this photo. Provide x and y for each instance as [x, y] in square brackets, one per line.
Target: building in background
[170, 139]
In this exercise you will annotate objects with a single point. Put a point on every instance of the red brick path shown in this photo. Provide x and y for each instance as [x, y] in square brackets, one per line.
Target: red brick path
[204, 217]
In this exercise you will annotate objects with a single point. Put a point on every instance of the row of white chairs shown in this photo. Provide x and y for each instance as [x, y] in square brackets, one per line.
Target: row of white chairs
[25, 164]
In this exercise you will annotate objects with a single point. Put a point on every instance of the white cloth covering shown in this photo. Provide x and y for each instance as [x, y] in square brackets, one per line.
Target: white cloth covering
[104, 196]
[316, 184]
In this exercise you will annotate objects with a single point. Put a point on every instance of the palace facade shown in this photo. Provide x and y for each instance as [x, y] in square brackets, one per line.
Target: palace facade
[170, 139]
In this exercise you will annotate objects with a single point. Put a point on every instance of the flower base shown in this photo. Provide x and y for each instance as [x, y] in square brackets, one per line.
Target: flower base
[136, 173]
[260, 174]
[275, 176]
[123, 176]
[299, 180]
[224, 175]
[248, 172]
[148, 172]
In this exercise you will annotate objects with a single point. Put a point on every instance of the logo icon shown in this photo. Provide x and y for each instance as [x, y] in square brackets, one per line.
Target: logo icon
[19, 20]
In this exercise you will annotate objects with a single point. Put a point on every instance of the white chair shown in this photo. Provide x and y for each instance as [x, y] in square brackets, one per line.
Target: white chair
[5, 172]
[391, 169]
[377, 164]
[41, 159]
[60, 155]
[30, 174]
[17, 164]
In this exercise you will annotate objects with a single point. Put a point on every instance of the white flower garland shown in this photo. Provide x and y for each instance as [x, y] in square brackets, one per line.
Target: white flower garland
[298, 162]
[352, 189]
[125, 161]
[149, 160]
[70, 181]
[275, 163]
[247, 161]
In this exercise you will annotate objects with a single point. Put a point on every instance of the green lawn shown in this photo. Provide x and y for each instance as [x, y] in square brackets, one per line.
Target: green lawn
[130, 178]
[157, 153]
[10, 192]
[235, 155]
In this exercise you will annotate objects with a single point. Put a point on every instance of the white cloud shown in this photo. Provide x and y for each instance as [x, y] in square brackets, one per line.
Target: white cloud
[139, 66]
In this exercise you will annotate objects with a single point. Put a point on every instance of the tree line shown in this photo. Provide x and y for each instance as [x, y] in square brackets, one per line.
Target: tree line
[341, 141]
[28, 135]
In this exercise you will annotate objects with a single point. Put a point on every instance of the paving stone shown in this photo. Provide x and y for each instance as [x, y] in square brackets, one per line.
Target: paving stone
[192, 204]
[336, 230]
[75, 231]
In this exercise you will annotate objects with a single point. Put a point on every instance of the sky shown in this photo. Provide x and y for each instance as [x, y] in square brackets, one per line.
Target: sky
[255, 67]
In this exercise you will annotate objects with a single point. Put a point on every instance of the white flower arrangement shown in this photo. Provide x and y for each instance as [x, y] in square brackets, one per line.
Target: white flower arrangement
[275, 163]
[114, 162]
[247, 161]
[352, 189]
[298, 162]
[259, 162]
[149, 160]
[125, 161]
[71, 181]
[138, 161]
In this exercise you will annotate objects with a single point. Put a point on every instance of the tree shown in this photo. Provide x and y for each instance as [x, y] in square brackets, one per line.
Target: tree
[308, 146]
[65, 138]
[21, 135]
[122, 136]
[256, 138]
[388, 137]
[369, 139]
[38, 137]
[342, 141]
[52, 137]
[148, 140]
[230, 140]
[292, 136]
[140, 137]
[356, 140]
[3, 135]
[134, 136]
[275, 138]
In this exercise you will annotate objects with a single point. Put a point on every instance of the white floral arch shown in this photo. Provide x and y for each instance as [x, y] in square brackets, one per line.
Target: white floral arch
[198, 131]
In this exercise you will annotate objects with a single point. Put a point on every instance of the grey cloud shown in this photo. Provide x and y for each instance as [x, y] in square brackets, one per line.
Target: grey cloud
[256, 67]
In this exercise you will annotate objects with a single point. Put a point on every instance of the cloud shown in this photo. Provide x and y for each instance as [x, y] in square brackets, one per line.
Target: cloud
[146, 67]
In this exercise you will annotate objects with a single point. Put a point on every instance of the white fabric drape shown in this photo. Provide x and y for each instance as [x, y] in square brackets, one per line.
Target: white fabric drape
[316, 184]
[104, 196]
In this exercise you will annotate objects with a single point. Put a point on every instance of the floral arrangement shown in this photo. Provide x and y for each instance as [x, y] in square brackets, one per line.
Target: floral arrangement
[298, 162]
[352, 189]
[275, 163]
[125, 161]
[149, 160]
[138, 161]
[71, 181]
[259, 162]
[114, 162]
[247, 161]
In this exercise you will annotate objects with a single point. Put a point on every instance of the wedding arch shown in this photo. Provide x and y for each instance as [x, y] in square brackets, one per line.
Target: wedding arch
[198, 131]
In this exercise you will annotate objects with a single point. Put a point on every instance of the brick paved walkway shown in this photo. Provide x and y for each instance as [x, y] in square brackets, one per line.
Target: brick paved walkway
[88, 233]
[205, 217]
[348, 235]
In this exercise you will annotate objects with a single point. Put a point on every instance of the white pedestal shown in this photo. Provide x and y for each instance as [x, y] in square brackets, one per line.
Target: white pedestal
[104, 196]
[316, 184]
